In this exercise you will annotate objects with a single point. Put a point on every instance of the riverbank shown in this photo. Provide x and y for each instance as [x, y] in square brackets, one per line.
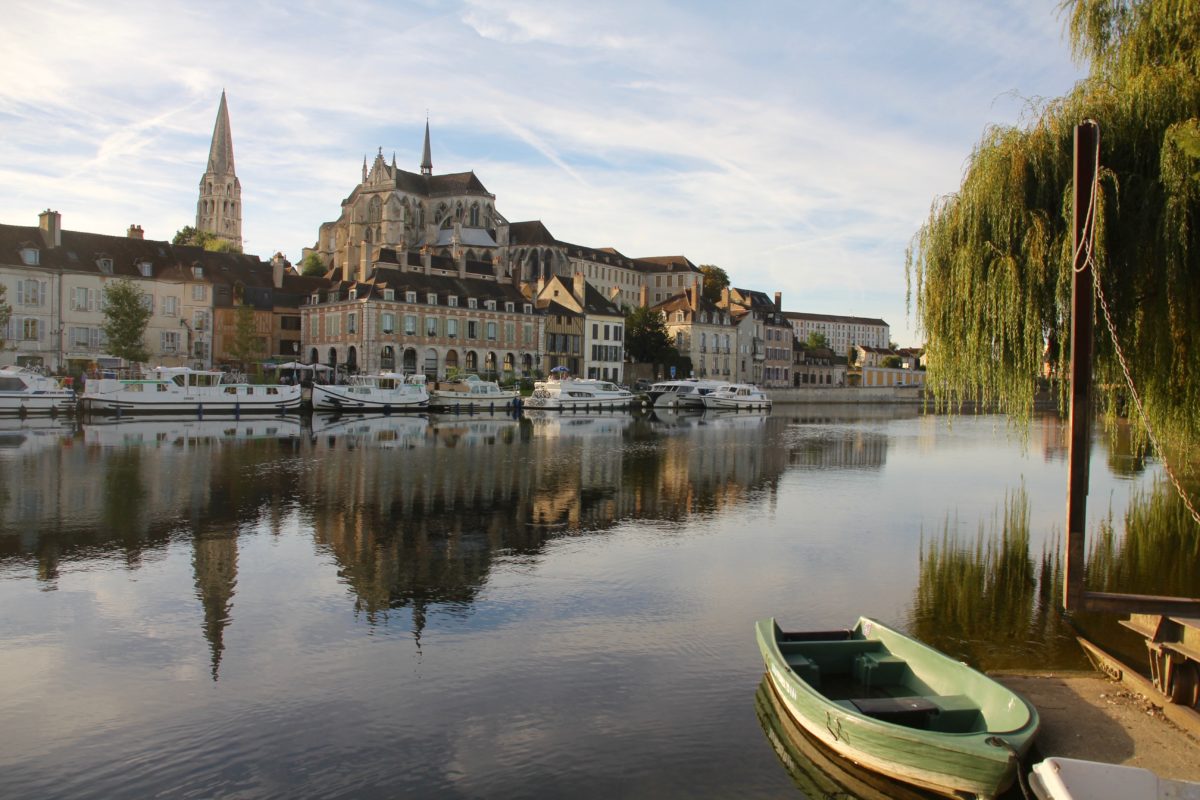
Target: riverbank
[1089, 715]
[846, 394]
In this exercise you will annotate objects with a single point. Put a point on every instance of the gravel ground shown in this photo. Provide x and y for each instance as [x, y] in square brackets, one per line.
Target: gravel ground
[1090, 716]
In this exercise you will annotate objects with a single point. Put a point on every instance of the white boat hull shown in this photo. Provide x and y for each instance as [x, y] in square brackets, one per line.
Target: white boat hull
[60, 402]
[736, 404]
[346, 398]
[192, 404]
[462, 401]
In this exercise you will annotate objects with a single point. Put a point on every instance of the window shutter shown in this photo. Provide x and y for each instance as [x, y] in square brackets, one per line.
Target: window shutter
[21, 292]
[42, 292]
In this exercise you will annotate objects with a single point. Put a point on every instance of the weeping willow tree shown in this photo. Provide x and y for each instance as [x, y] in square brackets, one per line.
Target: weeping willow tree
[990, 270]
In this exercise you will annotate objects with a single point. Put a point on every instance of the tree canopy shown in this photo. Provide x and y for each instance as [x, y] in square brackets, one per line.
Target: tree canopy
[5, 315]
[990, 270]
[646, 339]
[188, 235]
[312, 264]
[244, 346]
[715, 279]
[126, 315]
[815, 340]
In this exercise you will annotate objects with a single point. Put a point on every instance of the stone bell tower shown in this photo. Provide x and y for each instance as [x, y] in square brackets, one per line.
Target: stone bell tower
[219, 211]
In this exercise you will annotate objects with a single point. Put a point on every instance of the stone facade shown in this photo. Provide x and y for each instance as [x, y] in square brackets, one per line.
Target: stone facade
[219, 210]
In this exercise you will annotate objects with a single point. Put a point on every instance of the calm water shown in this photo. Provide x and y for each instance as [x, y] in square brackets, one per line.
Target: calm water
[466, 607]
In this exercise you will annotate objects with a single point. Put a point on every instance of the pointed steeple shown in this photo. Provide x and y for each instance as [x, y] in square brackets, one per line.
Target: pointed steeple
[427, 157]
[220, 154]
[219, 210]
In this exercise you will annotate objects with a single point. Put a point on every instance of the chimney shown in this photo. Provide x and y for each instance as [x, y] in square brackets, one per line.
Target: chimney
[51, 224]
[725, 298]
[427, 261]
[135, 232]
[579, 288]
[460, 259]
[779, 302]
[364, 260]
[694, 297]
[278, 263]
[515, 274]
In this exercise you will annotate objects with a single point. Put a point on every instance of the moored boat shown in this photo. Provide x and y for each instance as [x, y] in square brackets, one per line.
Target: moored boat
[896, 706]
[1075, 779]
[182, 390]
[385, 391]
[471, 393]
[23, 391]
[737, 396]
[588, 393]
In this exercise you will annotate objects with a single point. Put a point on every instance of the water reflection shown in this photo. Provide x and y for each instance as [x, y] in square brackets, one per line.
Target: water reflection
[818, 773]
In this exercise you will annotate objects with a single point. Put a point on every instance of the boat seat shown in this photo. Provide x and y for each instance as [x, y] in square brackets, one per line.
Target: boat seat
[805, 669]
[956, 713]
[879, 668]
[831, 657]
[912, 712]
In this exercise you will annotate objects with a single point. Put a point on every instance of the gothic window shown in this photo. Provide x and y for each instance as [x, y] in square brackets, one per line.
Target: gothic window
[375, 211]
[474, 221]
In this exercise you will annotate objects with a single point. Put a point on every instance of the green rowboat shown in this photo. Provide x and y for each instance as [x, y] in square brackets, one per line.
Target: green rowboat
[896, 706]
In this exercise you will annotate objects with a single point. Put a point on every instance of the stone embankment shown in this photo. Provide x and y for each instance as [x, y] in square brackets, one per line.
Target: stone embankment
[846, 395]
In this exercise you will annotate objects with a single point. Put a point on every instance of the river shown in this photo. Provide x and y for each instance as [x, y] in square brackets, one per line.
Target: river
[479, 607]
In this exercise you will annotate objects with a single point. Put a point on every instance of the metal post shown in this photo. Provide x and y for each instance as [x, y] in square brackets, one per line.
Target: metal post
[1087, 145]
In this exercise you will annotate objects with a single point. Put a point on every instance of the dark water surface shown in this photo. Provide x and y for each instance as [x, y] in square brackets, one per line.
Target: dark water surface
[466, 607]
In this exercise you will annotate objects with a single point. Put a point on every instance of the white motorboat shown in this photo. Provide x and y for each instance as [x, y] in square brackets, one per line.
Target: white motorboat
[471, 393]
[182, 390]
[692, 395]
[23, 391]
[585, 393]
[1073, 779]
[386, 392]
[665, 394]
[737, 396]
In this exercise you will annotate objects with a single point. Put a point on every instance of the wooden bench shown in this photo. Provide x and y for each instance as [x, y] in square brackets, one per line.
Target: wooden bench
[879, 668]
[805, 668]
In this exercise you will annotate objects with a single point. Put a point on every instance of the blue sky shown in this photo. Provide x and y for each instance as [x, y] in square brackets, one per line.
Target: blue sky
[798, 145]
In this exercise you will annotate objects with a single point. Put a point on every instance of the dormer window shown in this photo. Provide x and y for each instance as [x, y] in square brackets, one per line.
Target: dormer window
[410, 297]
[197, 272]
[105, 264]
[472, 302]
[490, 305]
[528, 308]
[431, 299]
[354, 294]
[30, 256]
[315, 299]
[509, 306]
[145, 268]
[452, 301]
[389, 294]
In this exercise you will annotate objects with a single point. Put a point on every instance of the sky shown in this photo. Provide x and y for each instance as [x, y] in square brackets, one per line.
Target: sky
[797, 145]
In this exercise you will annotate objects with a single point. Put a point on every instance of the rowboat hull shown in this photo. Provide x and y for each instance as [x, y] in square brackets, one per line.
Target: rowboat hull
[952, 730]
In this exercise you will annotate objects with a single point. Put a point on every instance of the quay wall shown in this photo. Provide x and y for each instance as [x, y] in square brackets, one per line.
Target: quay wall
[846, 394]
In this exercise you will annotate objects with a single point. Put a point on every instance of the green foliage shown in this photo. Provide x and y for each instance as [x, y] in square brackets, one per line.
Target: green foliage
[312, 264]
[244, 347]
[125, 319]
[816, 340]
[188, 235]
[5, 314]
[715, 279]
[890, 362]
[646, 339]
[990, 271]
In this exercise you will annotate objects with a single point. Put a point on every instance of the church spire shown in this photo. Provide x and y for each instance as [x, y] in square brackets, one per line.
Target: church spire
[426, 157]
[219, 210]
[220, 154]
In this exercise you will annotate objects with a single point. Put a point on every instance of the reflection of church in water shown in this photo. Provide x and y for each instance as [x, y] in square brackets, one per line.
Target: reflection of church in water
[414, 513]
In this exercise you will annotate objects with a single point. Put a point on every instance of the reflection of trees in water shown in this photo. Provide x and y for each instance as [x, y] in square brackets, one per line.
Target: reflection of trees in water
[988, 602]
[991, 604]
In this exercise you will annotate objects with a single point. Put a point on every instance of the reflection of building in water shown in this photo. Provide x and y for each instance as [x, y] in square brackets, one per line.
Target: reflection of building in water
[214, 563]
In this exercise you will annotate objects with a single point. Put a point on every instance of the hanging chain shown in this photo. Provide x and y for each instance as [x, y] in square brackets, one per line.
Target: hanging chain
[1086, 244]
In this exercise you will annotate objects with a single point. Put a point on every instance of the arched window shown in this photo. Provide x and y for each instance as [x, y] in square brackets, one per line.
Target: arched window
[527, 363]
[313, 357]
[375, 210]
[474, 219]
[472, 361]
[509, 362]
[410, 361]
[333, 356]
[352, 358]
[489, 365]
[387, 358]
[431, 363]
[451, 360]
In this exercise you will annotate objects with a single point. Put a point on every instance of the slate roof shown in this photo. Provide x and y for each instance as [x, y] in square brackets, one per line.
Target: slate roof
[531, 232]
[833, 318]
[596, 303]
[442, 285]
[665, 264]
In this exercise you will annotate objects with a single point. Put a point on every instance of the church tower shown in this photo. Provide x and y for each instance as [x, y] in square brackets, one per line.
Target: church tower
[219, 211]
